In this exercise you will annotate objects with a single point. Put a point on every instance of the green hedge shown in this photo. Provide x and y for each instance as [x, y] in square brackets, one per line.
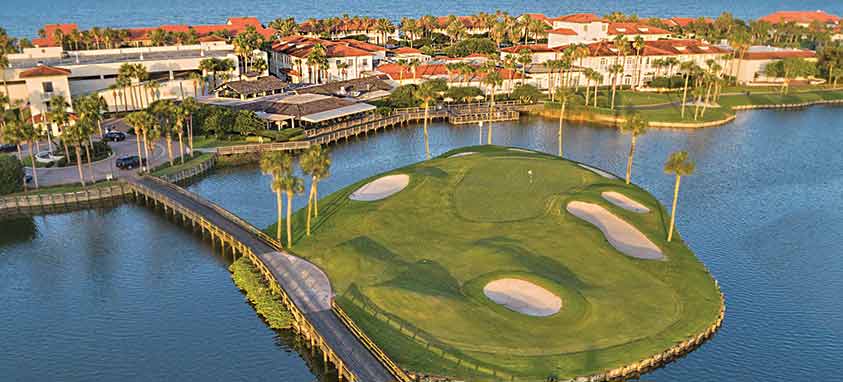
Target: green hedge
[11, 174]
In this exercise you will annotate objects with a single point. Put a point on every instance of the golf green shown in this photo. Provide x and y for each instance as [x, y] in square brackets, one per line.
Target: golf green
[411, 268]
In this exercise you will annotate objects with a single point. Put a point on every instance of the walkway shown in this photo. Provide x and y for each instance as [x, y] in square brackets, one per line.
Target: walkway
[306, 285]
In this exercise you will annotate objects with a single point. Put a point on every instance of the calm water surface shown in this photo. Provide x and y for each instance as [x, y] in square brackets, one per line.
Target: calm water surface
[24, 17]
[123, 293]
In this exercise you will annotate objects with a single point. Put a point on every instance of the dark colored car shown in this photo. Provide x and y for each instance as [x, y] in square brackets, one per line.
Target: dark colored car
[114, 136]
[27, 179]
[129, 162]
[7, 148]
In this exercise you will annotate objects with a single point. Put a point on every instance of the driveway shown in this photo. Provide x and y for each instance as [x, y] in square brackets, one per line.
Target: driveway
[105, 169]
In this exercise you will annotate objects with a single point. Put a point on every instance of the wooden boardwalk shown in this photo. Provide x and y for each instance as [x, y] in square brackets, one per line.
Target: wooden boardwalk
[304, 289]
[455, 114]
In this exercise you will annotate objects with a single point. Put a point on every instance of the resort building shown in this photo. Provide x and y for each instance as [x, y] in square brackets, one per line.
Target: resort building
[251, 87]
[403, 75]
[308, 111]
[802, 18]
[637, 70]
[340, 28]
[292, 58]
[752, 66]
[59, 67]
[408, 54]
[361, 89]
[587, 28]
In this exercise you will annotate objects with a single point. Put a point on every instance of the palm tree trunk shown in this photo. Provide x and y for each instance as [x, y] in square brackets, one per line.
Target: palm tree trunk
[280, 204]
[181, 147]
[34, 166]
[289, 218]
[20, 155]
[685, 94]
[614, 89]
[316, 197]
[169, 148]
[310, 204]
[138, 141]
[90, 162]
[673, 209]
[561, 117]
[79, 164]
[587, 91]
[596, 84]
[629, 159]
[426, 142]
[146, 149]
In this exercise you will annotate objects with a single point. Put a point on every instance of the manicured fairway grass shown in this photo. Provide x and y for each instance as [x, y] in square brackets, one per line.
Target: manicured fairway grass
[410, 269]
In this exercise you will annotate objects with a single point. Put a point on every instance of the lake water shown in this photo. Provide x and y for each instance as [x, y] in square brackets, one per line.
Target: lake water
[24, 17]
[124, 293]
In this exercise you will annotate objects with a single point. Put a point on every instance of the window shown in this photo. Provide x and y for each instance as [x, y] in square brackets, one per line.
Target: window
[365, 62]
[47, 86]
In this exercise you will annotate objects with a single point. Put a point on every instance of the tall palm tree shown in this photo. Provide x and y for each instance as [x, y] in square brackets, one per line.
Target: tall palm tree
[426, 92]
[615, 70]
[564, 96]
[493, 80]
[75, 134]
[140, 121]
[688, 68]
[58, 114]
[191, 106]
[31, 134]
[525, 57]
[638, 45]
[316, 162]
[679, 165]
[180, 115]
[384, 27]
[277, 164]
[164, 113]
[634, 125]
[291, 185]
[598, 79]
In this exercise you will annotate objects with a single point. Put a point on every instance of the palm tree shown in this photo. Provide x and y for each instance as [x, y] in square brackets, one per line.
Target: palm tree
[426, 92]
[291, 185]
[164, 112]
[493, 79]
[679, 165]
[180, 115]
[634, 125]
[277, 164]
[59, 115]
[75, 135]
[413, 64]
[385, 27]
[31, 134]
[564, 95]
[140, 121]
[195, 78]
[638, 45]
[615, 70]
[316, 59]
[191, 106]
[689, 68]
[598, 78]
[525, 57]
[315, 162]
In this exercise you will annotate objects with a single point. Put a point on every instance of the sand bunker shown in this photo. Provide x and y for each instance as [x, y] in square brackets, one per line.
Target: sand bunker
[381, 188]
[521, 150]
[457, 155]
[624, 202]
[623, 236]
[523, 297]
[598, 171]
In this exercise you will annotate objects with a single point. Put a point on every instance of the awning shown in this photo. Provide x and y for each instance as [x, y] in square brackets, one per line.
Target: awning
[272, 117]
[337, 113]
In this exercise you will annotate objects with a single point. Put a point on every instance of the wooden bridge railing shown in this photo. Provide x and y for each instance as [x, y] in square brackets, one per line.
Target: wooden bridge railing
[390, 365]
[258, 147]
[302, 322]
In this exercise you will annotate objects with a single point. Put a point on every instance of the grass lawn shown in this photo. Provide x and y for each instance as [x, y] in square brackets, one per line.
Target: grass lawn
[410, 269]
[166, 169]
[775, 98]
[201, 142]
[64, 188]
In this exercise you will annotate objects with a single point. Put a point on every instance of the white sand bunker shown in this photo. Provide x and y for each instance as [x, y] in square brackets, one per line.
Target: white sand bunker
[598, 171]
[457, 155]
[523, 297]
[623, 236]
[521, 150]
[624, 202]
[381, 188]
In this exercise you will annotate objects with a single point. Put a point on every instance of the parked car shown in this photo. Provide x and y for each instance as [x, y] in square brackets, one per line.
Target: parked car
[129, 162]
[114, 136]
[7, 148]
[27, 179]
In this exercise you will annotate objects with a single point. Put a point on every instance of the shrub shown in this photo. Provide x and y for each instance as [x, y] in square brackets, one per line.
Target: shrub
[472, 45]
[11, 174]
[526, 93]
[463, 93]
[403, 97]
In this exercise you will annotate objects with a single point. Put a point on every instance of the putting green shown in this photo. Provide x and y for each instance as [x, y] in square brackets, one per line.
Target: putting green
[410, 269]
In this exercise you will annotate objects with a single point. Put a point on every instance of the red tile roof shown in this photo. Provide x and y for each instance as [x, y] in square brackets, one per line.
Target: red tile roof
[50, 32]
[634, 29]
[801, 17]
[563, 31]
[778, 55]
[655, 48]
[362, 45]
[539, 16]
[44, 71]
[211, 38]
[685, 21]
[394, 71]
[300, 46]
[578, 18]
[406, 50]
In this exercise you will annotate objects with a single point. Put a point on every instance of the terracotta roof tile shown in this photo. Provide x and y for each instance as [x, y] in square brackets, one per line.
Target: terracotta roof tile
[44, 71]
[563, 31]
[800, 17]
